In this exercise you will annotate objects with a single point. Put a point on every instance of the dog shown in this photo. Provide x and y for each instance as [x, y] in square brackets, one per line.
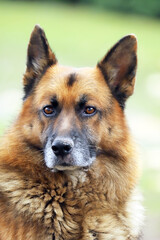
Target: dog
[68, 168]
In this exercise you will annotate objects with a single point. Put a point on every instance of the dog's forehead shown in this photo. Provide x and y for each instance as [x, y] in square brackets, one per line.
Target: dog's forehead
[64, 73]
[69, 81]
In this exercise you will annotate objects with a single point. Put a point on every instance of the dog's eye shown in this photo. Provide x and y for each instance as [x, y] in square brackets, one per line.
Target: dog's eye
[48, 110]
[89, 110]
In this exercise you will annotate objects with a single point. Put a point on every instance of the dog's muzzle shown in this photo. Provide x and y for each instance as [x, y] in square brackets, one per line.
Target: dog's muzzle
[68, 153]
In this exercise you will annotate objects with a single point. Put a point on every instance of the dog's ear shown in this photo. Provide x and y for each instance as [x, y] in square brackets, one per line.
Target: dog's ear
[119, 68]
[39, 58]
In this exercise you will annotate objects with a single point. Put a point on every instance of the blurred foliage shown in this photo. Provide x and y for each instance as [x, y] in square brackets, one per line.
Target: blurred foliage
[146, 7]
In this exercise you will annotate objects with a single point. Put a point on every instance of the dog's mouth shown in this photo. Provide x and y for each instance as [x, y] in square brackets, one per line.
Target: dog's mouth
[68, 167]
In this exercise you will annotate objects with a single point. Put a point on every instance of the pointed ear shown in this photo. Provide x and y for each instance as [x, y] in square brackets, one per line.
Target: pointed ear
[39, 58]
[119, 68]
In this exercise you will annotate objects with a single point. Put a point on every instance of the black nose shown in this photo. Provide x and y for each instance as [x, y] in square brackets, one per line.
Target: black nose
[62, 147]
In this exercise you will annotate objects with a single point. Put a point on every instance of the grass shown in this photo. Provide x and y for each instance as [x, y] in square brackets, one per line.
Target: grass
[81, 36]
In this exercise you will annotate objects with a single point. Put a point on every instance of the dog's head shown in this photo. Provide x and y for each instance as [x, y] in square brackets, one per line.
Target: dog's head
[75, 114]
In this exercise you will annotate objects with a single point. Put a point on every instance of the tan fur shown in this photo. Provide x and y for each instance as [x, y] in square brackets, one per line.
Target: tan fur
[100, 203]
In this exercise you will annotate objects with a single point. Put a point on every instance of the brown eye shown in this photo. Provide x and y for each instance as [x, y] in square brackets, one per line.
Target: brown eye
[90, 110]
[48, 110]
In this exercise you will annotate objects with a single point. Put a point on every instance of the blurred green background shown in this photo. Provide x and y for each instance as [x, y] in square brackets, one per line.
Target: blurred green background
[80, 35]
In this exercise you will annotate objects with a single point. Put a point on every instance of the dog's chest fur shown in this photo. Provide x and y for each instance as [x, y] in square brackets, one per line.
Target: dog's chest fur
[73, 210]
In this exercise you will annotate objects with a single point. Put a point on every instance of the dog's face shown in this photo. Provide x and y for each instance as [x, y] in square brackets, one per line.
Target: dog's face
[71, 104]
[75, 115]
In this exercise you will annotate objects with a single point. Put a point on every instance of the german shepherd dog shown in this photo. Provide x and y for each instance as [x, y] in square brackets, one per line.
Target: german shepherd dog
[68, 168]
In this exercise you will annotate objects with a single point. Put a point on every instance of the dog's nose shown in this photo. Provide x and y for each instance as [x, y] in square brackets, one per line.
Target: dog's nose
[62, 147]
